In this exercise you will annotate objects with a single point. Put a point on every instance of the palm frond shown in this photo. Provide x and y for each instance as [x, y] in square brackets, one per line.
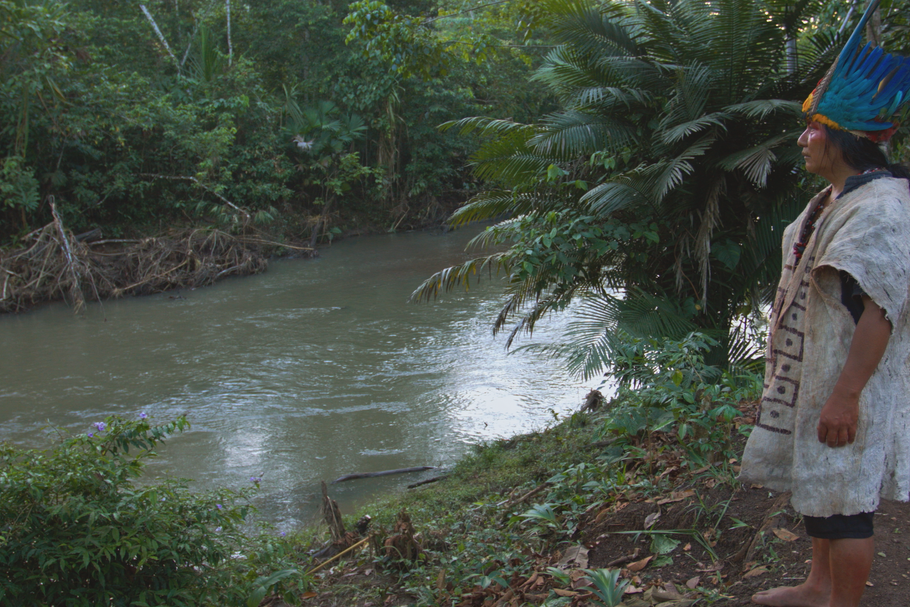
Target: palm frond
[762, 108]
[604, 321]
[667, 174]
[681, 131]
[622, 193]
[458, 276]
[497, 203]
[488, 126]
[758, 161]
[570, 134]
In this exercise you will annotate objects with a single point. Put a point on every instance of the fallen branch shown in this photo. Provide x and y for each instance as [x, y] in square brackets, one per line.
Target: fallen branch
[747, 552]
[72, 264]
[428, 481]
[339, 555]
[526, 496]
[625, 559]
[240, 210]
[351, 477]
[53, 262]
[277, 244]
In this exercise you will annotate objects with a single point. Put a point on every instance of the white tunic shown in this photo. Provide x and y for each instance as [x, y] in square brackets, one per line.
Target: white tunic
[865, 232]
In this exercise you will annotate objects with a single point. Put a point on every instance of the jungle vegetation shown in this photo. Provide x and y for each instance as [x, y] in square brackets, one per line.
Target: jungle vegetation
[641, 155]
[136, 116]
[656, 194]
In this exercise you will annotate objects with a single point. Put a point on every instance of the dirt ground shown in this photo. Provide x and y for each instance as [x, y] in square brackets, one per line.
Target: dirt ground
[759, 541]
[706, 542]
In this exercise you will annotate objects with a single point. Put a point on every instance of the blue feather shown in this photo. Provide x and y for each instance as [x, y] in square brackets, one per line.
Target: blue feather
[866, 84]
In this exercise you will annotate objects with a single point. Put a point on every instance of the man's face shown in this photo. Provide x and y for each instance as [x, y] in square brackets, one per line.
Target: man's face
[819, 155]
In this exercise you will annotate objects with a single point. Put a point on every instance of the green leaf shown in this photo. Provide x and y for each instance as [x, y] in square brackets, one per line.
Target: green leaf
[663, 544]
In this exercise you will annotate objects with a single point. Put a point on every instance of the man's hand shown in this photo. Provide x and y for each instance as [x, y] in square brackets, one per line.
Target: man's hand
[837, 423]
[838, 420]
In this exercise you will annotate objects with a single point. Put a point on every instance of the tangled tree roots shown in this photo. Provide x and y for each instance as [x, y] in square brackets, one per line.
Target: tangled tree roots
[56, 265]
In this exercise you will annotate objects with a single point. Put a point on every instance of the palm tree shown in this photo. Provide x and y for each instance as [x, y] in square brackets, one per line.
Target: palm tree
[657, 193]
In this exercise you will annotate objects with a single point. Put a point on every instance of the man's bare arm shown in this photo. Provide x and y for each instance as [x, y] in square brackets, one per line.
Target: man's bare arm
[839, 416]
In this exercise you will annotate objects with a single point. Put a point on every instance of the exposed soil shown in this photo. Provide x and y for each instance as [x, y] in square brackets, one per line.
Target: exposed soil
[702, 541]
[772, 551]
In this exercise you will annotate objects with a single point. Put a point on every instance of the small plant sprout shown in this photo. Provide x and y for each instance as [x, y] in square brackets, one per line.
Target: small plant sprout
[607, 586]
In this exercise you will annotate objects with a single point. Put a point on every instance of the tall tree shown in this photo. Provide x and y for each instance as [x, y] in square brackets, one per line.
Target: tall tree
[658, 191]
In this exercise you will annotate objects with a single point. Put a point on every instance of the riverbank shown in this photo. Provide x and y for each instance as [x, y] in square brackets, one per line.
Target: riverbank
[593, 510]
[52, 264]
[528, 521]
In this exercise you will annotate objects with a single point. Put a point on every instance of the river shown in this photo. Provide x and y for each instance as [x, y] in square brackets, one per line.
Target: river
[315, 369]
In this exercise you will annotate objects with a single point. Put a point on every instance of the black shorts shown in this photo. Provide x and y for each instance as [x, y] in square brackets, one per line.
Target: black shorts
[840, 526]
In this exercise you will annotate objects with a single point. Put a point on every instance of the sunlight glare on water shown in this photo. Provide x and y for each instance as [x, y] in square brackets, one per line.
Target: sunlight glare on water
[315, 369]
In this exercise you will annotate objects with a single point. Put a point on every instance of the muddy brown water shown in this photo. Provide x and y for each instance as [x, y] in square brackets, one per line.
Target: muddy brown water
[315, 369]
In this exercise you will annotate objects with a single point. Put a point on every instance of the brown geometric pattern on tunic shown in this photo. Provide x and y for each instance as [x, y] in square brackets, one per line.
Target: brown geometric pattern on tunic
[773, 429]
[770, 413]
[795, 342]
[789, 353]
[785, 397]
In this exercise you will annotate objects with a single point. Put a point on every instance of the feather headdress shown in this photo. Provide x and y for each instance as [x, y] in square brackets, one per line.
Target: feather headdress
[863, 90]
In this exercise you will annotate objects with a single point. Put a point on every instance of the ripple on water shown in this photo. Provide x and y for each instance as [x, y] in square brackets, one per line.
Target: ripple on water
[308, 372]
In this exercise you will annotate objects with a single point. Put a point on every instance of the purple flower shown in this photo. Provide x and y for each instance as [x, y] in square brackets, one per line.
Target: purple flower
[143, 415]
[217, 529]
[255, 479]
[282, 534]
[90, 435]
[218, 506]
[100, 426]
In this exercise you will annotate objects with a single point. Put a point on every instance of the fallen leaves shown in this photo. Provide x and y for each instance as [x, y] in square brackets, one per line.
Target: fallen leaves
[639, 565]
[575, 557]
[677, 496]
[784, 534]
[652, 519]
[755, 572]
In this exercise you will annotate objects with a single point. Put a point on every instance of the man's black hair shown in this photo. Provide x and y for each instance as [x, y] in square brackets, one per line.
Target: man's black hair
[863, 154]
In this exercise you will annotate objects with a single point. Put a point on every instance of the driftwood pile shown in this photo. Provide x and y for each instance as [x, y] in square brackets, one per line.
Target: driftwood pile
[54, 264]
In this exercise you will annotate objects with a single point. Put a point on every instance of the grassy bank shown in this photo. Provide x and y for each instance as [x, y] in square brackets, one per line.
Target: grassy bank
[634, 502]
[551, 518]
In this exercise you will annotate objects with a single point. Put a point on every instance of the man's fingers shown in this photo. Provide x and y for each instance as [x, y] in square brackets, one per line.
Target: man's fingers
[843, 436]
[822, 432]
[836, 436]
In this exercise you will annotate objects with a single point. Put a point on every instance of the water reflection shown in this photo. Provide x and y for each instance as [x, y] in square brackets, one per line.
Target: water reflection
[313, 370]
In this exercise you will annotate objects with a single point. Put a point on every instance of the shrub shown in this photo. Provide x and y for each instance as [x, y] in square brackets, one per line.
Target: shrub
[76, 529]
[666, 385]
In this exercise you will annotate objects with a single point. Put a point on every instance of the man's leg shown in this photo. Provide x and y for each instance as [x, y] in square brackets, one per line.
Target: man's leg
[814, 592]
[851, 562]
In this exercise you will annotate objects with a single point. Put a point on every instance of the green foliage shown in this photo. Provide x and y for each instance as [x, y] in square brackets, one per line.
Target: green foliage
[264, 584]
[135, 120]
[666, 385]
[18, 186]
[607, 586]
[403, 42]
[666, 173]
[77, 529]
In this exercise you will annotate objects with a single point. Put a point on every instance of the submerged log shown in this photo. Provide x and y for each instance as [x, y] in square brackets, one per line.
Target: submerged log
[351, 477]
